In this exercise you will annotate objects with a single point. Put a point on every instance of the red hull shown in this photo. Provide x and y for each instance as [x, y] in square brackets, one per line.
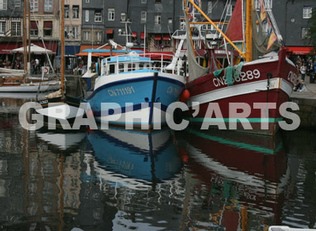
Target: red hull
[266, 81]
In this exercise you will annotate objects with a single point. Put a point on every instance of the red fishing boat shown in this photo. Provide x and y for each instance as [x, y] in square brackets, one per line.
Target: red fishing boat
[239, 75]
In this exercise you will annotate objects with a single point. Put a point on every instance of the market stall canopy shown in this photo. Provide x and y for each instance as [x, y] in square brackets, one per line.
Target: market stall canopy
[34, 49]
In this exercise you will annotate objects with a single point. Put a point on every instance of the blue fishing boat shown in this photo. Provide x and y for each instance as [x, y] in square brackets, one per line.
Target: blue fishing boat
[136, 88]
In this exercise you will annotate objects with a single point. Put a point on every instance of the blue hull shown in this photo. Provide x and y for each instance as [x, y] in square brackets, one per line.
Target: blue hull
[150, 89]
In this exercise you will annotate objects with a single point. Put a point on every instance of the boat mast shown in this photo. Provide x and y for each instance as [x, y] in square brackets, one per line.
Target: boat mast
[25, 55]
[248, 53]
[62, 46]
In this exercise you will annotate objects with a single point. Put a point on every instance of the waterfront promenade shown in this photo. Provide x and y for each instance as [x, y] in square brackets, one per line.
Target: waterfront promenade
[306, 99]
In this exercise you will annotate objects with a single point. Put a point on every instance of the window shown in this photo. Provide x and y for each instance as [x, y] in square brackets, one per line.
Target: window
[267, 5]
[209, 7]
[182, 24]
[86, 16]
[123, 17]
[97, 16]
[17, 3]
[2, 27]
[307, 12]
[111, 14]
[66, 8]
[3, 4]
[75, 32]
[48, 6]
[157, 1]
[71, 32]
[75, 11]
[98, 36]
[48, 28]
[33, 5]
[158, 19]
[229, 10]
[143, 1]
[143, 17]
[86, 36]
[306, 33]
[87, 1]
[15, 28]
[33, 28]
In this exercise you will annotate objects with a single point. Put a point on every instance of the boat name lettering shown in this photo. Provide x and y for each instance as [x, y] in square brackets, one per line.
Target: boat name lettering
[172, 91]
[292, 77]
[242, 77]
[121, 91]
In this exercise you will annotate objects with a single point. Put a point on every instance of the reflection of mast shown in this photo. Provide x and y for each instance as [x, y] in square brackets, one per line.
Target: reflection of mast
[26, 164]
[25, 10]
[61, 191]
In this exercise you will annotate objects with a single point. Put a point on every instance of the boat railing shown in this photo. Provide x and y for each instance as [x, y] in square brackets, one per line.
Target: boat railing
[156, 62]
[162, 62]
[178, 34]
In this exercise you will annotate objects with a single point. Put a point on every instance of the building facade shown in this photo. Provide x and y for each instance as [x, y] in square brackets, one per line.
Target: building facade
[147, 24]
[293, 18]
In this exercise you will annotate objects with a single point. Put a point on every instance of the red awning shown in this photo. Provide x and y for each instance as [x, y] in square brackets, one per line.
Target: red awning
[50, 45]
[5, 48]
[48, 25]
[157, 37]
[300, 50]
[109, 31]
[166, 37]
[142, 35]
[134, 34]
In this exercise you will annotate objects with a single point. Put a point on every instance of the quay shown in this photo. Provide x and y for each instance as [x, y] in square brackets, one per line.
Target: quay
[306, 100]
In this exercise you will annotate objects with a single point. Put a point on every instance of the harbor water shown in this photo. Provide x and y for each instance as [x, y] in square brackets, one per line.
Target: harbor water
[115, 179]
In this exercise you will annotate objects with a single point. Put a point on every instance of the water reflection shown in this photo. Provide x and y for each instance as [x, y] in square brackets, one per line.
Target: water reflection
[62, 142]
[238, 181]
[126, 180]
[135, 156]
[137, 175]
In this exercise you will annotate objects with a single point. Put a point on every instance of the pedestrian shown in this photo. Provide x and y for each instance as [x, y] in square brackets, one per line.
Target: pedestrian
[37, 66]
[303, 71]
[313, 72]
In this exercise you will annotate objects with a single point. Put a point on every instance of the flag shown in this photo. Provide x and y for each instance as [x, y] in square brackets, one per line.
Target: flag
[271, 40]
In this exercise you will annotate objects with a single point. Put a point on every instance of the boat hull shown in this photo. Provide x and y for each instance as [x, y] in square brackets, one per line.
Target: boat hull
[31, 88]
[265, 83]
[139, 100]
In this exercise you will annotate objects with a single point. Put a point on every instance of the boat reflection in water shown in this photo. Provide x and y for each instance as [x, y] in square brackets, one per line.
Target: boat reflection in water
[144, 157]
[136, 174]
[244, 176]
[62, 142]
